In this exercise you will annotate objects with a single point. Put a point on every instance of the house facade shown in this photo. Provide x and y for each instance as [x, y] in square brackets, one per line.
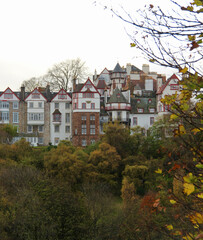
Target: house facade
[128, 95]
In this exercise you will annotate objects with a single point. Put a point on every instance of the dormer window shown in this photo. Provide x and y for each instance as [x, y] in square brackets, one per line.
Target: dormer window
[140, 110]
[62, 95]
[138, 100]
[150, 100]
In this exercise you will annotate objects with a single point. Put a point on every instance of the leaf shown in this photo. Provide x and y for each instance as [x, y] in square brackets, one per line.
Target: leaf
[132, 44]
[184, 70]
[191, 37]
[173, 116]
[182, 129]
[188, 178]
[198, 3]
[169, 227]
[197, 218]
[152, 60]
[200, 195]
[194, 45]
[196, 130]
[188, 188]
[158, 171]
[173, 201]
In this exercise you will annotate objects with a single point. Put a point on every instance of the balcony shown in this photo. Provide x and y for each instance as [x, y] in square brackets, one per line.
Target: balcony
[126, 121]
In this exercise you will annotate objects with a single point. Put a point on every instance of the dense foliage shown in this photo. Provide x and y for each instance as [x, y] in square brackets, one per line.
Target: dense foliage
[105, 191]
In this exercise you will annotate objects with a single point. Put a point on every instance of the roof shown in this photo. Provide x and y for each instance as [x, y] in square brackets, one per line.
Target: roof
[101, 84]
[117, 97]
[142, 102]
[118, 69]
[135, 69]
[161, 89]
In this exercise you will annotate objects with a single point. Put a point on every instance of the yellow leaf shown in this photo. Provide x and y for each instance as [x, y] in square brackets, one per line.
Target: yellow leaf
[173, 116]
[169, 227]
[196, 130]
[188, 188]
[197, 218]
[184, 70]
[152, 60]
[187, 237]
[132, 44]
[173, 201]
[182, 129]
[188, 178]
[158, 171]
[200, 195]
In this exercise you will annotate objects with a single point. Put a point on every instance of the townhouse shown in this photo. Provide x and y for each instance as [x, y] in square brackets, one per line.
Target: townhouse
[125, 94]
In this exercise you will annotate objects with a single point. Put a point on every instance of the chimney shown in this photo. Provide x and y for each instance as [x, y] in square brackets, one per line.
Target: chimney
[47, 90]
[159, 82]
[145, 68]
[22, 92]
[74, 84]
[128, 68]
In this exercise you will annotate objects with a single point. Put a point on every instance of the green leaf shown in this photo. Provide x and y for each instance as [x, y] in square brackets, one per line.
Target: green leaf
[132, 44]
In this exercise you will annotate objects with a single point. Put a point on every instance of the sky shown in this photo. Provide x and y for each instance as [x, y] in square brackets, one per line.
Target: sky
[36, 34]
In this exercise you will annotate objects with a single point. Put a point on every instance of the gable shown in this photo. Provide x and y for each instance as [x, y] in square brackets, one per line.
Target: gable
[9, 95]
[62, 95]
[89, 87]
[35, 95]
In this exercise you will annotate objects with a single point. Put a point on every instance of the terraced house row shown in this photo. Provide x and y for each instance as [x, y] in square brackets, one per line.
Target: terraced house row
[128, 95]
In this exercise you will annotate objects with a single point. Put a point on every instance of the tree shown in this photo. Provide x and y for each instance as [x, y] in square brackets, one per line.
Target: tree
[175, 40]
[61, 75]
[32, 83]
[7, 132]
[168, 38]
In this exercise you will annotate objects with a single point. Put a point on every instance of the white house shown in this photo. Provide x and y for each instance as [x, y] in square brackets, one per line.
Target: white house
[60, 117]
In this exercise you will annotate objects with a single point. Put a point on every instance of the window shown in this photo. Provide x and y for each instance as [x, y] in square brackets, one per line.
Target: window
[75, 105]
[134, 121]
[35, 94]
[67, 129]
[15, 117]
[174, 87]
[151, 110]
[84, 129]
[119, 115]
[29, 128]
[67, 117]
[56, 105]
[62, 95]
[160, 108]
[92, 129]
[92, 105]
[83, 118]
[83, 105]
[150, 100]
[4, 116]
[138, 100]
[8, 95]
[36, 116]
[31, 105]
[4, 105]
[151, 120]
[92, 117]
[40, 128]
[39, 104]
[84, 142]
[15, 105]
[56, 128]
[88, 95]
[57, 117]
[140, 110]
[92, 141]
[67, 105]
[40, 140]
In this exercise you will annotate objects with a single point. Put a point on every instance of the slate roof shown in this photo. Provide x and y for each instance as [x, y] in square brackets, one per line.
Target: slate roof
[118, 69]
[117, 97]
[101, 84]
[135, 69]
[142, 103]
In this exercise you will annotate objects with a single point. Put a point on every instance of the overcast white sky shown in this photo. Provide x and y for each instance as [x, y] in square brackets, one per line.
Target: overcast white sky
[35, 34]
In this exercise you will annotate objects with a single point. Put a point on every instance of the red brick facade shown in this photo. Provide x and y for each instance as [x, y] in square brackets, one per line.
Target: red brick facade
[85, 128]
